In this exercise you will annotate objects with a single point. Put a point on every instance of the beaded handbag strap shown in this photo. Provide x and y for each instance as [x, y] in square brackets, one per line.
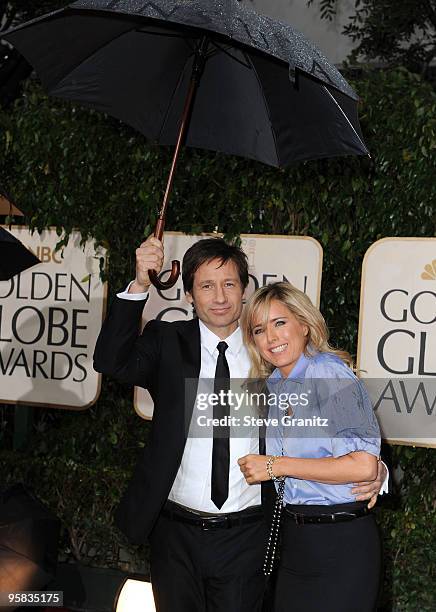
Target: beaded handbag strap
[271, 547]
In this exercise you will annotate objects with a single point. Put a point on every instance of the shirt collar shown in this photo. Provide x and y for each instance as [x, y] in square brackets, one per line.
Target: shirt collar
[297, 373]
[210, 340]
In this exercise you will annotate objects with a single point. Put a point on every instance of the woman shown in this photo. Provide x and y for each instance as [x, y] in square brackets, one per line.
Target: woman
[325, 438]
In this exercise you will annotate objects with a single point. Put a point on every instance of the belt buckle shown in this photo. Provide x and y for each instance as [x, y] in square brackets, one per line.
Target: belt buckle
[345, 516]
[299, 519]
[211, 523]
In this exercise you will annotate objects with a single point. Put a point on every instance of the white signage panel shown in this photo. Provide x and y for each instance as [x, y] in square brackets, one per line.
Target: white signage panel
[297, 259]
[50, 317]
[397, 337]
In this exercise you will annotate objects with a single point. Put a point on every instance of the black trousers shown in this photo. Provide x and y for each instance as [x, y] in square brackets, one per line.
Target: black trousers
[217, 570]
[328, 567]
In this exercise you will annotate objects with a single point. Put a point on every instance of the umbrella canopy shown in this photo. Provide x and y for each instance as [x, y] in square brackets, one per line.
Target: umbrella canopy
[210, 73]
[266, 92]
[14, 257]
[28, 541]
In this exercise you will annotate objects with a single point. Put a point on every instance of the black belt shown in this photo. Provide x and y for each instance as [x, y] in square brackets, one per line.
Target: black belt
[175, 512]
[333, 517]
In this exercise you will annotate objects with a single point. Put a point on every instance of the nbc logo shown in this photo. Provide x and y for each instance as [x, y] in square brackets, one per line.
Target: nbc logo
[430, 271]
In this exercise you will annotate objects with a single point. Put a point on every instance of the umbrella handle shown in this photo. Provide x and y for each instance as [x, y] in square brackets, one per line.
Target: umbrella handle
[175, 265]
[197, 69]
[175, 273]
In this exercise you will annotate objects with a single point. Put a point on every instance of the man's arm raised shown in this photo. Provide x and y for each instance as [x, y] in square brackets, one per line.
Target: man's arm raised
[120, 351]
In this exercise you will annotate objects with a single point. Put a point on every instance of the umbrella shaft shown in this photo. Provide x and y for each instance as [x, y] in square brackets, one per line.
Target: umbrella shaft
[197, 70]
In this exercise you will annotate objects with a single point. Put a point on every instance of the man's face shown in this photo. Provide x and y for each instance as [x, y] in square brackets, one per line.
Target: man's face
[217, 296]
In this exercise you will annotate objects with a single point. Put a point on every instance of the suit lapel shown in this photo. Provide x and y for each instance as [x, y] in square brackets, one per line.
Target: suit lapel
[190, 349]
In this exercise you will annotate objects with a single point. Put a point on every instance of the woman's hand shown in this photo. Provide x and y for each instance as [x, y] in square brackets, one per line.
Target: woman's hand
[254, 468]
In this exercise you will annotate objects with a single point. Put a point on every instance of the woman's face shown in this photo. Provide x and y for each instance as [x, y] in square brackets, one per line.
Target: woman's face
[282, 339]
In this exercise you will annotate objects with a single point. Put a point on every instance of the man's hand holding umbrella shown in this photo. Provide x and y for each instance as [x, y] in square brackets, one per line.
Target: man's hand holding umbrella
[149, 256]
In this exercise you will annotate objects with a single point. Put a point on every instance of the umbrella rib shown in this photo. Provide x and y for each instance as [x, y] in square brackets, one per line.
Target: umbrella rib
[347, 120]
[265, 104]
[94, 52]
[107, 43]
[167, 34]
[246, 65]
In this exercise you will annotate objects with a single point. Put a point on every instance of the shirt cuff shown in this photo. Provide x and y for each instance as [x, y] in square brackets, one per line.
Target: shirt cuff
[125, 295]
[385, 485]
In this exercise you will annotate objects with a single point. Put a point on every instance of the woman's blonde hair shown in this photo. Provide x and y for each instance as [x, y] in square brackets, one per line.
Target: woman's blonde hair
[299, 304]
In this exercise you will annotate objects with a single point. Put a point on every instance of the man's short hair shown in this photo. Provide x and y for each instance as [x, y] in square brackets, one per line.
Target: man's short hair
[205, 251]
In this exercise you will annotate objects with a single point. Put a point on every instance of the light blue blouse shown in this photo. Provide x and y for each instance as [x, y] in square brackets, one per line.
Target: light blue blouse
[320, 410]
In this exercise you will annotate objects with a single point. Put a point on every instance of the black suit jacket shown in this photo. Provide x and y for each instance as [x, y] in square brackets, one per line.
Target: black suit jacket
[160, 360]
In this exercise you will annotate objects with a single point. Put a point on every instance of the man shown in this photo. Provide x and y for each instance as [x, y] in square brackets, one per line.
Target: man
[188, 495]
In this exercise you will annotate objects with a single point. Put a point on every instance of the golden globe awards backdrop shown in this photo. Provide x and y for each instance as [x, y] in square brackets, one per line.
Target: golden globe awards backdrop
[297, 259]
[397, 337]
[50, 316]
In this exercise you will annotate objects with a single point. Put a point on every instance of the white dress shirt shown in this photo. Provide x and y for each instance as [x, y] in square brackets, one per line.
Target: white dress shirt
[192, 486]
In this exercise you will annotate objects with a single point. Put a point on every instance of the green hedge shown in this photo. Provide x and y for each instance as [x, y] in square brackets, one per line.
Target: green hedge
[73, 168]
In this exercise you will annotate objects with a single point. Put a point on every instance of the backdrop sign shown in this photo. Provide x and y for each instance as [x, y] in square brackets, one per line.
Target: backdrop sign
[297, 259]
[397, 337]
[50, 316]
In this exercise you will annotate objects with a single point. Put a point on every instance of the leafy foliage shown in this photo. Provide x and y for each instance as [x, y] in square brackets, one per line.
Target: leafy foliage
[69, 168]
[397, 32]
[327, 8]
[408, 524]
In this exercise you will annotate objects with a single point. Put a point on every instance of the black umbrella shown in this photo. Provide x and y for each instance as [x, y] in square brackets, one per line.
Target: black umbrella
[29, 535]
[14, 257]
[265, 93]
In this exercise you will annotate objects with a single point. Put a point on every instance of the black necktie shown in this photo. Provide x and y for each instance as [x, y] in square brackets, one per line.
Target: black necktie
[221, 442]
